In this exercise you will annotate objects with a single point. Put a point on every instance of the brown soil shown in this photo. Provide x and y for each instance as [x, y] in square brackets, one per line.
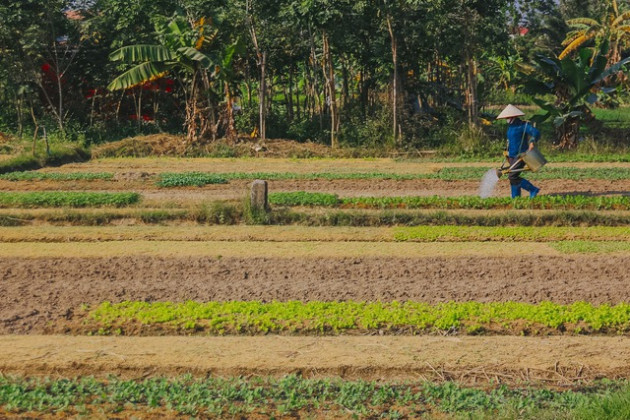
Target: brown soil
[337, 165]
[42, 290]
[477, 360]
[345, 188]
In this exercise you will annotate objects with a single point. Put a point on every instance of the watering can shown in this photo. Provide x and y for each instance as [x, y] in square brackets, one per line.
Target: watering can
[534, 160]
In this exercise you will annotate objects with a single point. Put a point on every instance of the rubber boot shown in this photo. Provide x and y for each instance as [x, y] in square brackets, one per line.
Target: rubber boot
[528, 186]
[516, 190]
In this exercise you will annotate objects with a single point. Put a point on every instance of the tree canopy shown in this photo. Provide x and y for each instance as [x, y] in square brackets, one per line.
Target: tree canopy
[364, 72]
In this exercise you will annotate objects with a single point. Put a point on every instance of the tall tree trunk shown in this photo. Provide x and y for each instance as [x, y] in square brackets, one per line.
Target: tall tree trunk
[261, 60]
[35, 123]
[345, 91]
[248, 85]
[471, 89]
[19, 103]
[394, 45]
[567, 134]
[230, 129]
[290, 96]
[298, 113]
[262, 98]
[329, 77]
[363, 93]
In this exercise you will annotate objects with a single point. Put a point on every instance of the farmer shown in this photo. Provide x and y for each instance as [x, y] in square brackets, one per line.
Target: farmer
[522, 137]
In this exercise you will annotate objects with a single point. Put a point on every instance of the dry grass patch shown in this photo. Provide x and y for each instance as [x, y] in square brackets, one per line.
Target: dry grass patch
[195, 232]
[219, 249]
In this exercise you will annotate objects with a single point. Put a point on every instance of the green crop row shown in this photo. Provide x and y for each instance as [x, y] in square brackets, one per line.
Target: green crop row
[297, 317]
[510, 233]
[302, 198]
[555, 202]
[56, 176]
[66, 199]
[215, 397]
[447, 174]
[559, 202]
[572, 247]
[468, 173]
[205, 178]
[196, 179]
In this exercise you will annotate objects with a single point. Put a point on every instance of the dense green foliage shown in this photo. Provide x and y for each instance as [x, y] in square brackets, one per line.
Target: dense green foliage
[336, 317]
[66, 199]
[56, 176]
[218, 397]
[560, 202]
[197, 179]
[404, 74]
[510, 233]
[302, 198]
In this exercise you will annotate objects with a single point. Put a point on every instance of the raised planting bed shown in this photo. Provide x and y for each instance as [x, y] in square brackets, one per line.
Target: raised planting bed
[546, 202]
[308, 318]
[66, 199]
[179, 179]
[293, 396]
[55, 176]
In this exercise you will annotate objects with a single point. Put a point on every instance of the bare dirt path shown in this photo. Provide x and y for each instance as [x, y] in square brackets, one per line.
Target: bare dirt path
[216, 250]
[551, 360]
[39, 291]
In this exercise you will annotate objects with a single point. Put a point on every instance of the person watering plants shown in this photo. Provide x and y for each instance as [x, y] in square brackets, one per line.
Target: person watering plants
[521, 137]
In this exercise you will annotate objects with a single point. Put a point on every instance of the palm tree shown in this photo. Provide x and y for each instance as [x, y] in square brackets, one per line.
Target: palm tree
[614, 28]
[179, 52]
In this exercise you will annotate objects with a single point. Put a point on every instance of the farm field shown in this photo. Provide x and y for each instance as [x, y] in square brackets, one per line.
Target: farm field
[349, 178]
[393, 280]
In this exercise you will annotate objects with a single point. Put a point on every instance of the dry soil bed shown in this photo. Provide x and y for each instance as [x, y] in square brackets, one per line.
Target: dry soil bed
[36, 291]
[559, 361]
[338, 165]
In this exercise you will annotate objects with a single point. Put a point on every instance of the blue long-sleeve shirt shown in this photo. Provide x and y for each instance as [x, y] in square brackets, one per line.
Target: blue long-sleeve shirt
[516, 142]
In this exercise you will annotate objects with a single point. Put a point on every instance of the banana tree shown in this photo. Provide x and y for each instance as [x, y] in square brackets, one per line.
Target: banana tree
[180, 52]
[227, 78]
[575, 84]
[614, 26]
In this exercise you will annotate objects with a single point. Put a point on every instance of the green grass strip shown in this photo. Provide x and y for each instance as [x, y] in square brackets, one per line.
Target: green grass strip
[551, 202]
[56, 176]
[196, 179]
[510, 233]
[66, 199]
[302, 198]
[590, 247]
[446, 174]
[336, 317]
[216, 397]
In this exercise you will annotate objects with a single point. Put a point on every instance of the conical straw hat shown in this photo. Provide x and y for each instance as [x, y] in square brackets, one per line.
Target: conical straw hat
[510, 111]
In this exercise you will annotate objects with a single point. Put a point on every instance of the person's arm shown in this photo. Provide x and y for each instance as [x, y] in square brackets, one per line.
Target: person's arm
[534, 135]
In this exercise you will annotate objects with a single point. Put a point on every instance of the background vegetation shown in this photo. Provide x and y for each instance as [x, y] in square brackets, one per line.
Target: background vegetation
[387, 75]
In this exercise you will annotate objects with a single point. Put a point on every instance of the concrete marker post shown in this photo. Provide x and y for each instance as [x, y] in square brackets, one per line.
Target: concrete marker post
[259, 196]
